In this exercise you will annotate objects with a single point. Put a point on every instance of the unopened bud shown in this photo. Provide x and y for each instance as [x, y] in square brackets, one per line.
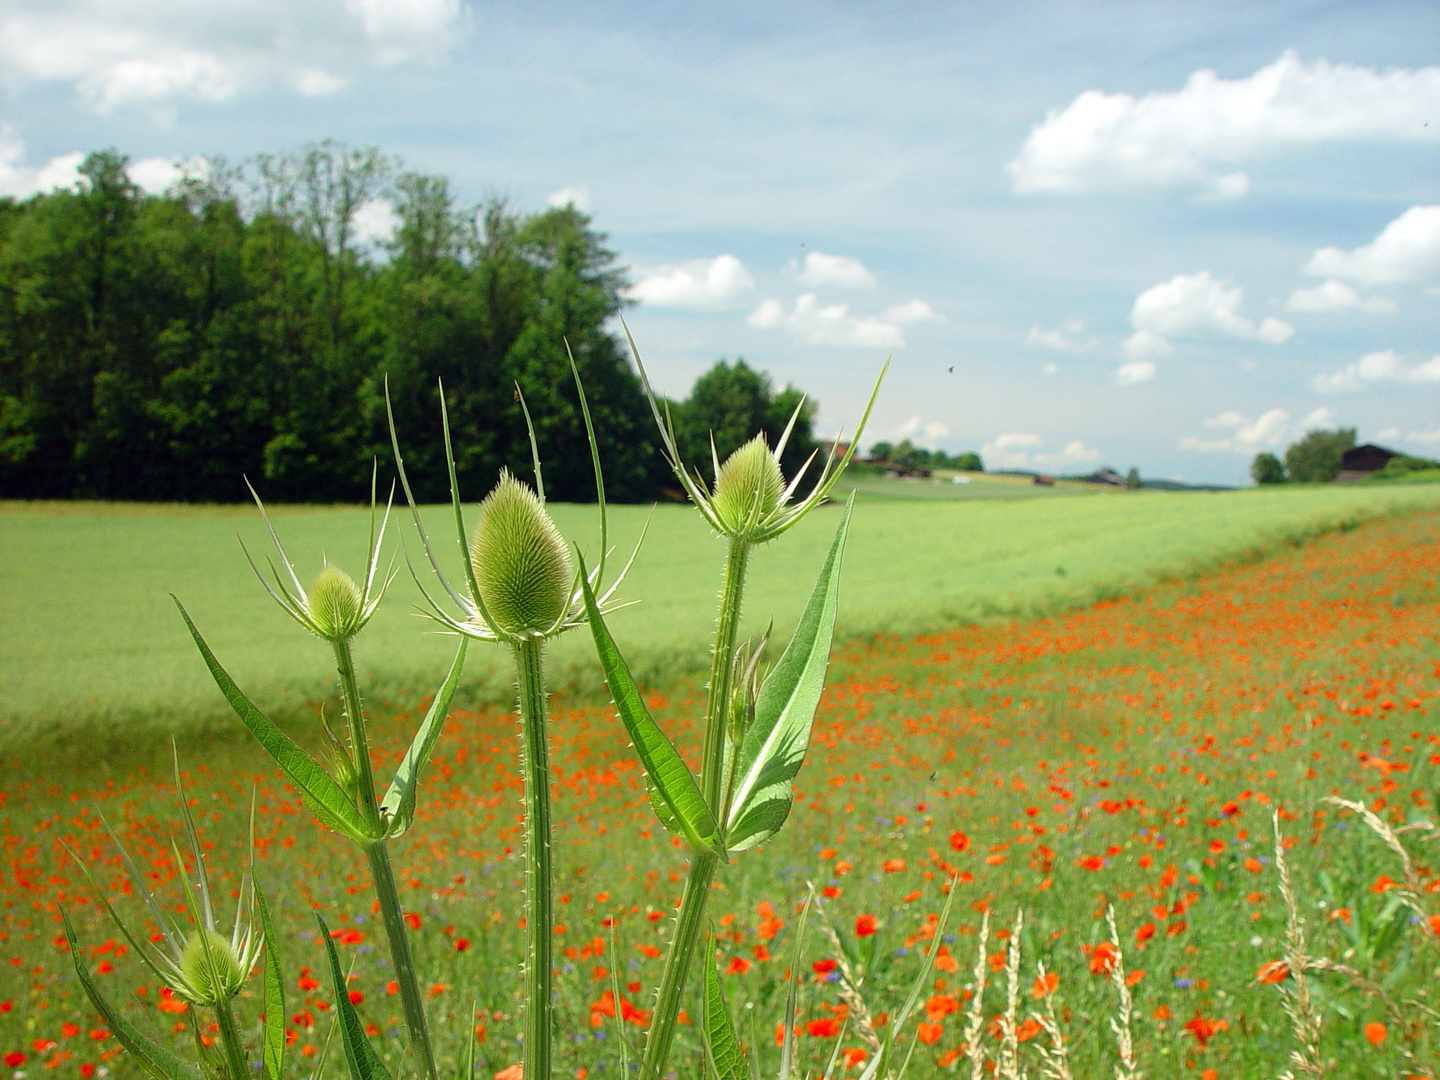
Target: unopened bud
[749, 487]
[334, 604]
[212, 970]
[520, 561]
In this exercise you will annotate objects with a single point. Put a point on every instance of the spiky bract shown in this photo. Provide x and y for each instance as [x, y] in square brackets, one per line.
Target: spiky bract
[521, 565]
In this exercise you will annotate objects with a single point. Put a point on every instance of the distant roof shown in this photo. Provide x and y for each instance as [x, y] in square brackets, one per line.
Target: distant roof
[1366, 458]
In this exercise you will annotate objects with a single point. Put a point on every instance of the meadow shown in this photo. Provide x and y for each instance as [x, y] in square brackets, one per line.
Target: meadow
[92, 652]
[1117, 735]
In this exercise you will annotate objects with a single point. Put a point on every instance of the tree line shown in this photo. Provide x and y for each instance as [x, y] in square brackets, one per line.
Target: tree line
[1316, 457]
[162, 347]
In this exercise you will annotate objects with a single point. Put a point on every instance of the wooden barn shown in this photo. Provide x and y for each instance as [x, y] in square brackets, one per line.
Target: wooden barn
[1360, 461]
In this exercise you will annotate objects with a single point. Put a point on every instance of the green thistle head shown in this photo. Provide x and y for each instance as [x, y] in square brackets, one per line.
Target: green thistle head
[211, 969]
[334, 604]
[521, 565]
[748, 489]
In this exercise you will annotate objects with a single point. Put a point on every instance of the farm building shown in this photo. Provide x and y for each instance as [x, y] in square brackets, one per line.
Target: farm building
[1360, 461]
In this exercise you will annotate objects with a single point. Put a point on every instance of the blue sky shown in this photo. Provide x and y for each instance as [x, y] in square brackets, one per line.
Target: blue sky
[1167, 235]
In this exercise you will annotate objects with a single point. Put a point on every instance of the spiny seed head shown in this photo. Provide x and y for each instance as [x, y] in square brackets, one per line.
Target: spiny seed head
[212, 970]
[749, 487]
[334, 604]
[520, 560]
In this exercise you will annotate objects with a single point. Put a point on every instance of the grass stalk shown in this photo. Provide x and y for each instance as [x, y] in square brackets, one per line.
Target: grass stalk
[702, 864]
[539, 961]
[1304, 1020]
[975, 1015]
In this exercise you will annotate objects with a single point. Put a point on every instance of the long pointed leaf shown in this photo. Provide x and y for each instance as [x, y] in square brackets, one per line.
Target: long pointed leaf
[274, 1057]
[153, 1058]
[666, 770]
[399, 801]
[322, 795]
[722, 1048]
[774, 747]
[465, 1067]
[364, 1063]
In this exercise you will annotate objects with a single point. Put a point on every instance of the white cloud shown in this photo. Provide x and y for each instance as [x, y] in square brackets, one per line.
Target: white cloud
[912, 311]
[1407, 252]
[1240, 434]
[813, 323]
[376, 222]
[1146, 345]
[158, 80]
[1065, 337]
[1197, 305]
[1386, 366]
[1427, 439]
[1050, 369]
[152, 175]
[401, 27]
[699, 285]
[1135, 371]
[922, 433]
[1335, 296]
[1188, 140]
[821, 270]
[153, 54]
[1024, 450]
[313, 82]
[578, 197]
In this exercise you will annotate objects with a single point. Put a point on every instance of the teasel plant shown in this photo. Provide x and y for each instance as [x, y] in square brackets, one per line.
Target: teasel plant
[342, 797]
[521, 589]
[756, 731]
[200, 964]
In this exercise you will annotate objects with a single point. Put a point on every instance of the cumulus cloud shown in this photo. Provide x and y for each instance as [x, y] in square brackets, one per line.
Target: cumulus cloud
[1195, 306]
[375, 222]
[912, 311]
[1335, 296]
[698, 285]
[1429, 440]
[1026, 450]
[1135, 371]
[1236, 433]
[1407, 252]
[1189, 140]
[820, 270]
[1065, 337]
[926, 433]
[578, 197]
[813, 323]
[1378, 367]
[152, 175]
[153, 54]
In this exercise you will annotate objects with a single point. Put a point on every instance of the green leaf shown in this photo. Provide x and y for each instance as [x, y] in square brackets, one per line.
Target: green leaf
[364, 1063]
[465, 1067]
[669, 776]
[792, 992]
[322, 795]
[153, 1058]
[722, 1048]
[274, 1059]
[775, 744]
[399, 802]
[662, 812]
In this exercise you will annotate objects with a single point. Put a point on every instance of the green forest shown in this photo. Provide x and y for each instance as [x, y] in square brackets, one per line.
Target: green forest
[165, 347]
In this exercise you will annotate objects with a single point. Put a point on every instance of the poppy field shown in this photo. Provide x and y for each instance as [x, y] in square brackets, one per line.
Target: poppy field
[1129, 760]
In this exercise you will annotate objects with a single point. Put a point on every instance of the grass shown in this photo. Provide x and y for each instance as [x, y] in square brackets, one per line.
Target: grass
[92, 652]
[1129, 754]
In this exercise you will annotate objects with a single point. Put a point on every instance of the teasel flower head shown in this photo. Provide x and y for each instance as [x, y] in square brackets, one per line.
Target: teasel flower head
[197, 960]
[749, 500]
[334, 608]
[520, 581]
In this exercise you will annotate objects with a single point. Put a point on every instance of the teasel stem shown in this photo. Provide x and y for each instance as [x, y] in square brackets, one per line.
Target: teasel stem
[540, 914]
[381, 875]
[395, 930]
[230, 1038]
[702, 863]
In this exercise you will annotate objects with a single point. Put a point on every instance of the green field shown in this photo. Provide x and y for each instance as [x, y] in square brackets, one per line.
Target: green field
[90, 643]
